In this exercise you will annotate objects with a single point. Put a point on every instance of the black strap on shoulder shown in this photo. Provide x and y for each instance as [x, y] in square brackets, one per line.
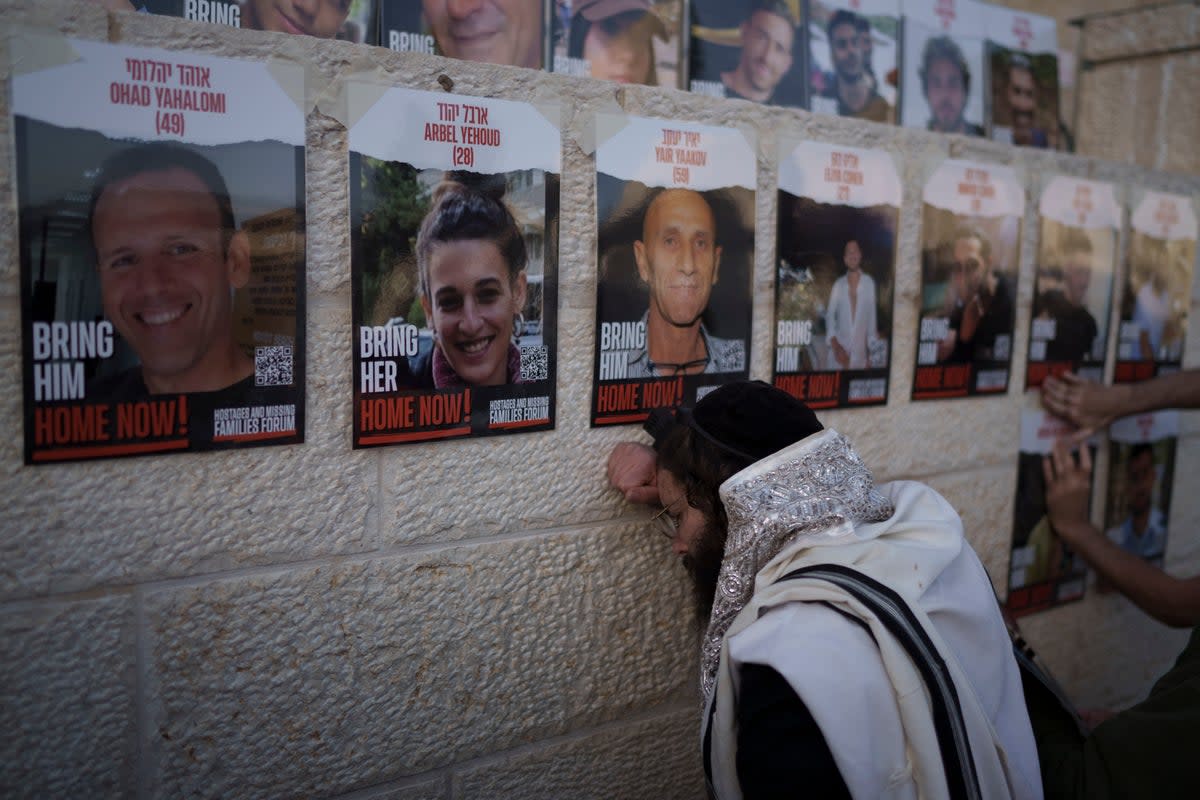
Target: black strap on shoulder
[953, 742]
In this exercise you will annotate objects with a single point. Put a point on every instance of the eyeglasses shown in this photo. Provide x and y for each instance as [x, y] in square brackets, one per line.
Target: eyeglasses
[673, 369]
[664, 523]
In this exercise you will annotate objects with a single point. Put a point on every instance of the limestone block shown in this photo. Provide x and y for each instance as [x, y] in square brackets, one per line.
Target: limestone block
[1183, 525]
[658, 758]
[984, 498]
[424, 790]
[72, 526]
[349, 674]
[1104, 128]
[68, 713]
[1182, 118]
[1132, 34]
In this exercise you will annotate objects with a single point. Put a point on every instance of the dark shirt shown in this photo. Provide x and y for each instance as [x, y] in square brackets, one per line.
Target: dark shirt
[995, 321]
[1075, 331]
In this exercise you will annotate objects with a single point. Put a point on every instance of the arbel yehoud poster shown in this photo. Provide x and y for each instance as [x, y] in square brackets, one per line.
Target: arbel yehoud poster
[835, 273]
[1023, 78]
[625, 41]
[941, 83]
[970, 241]
[351, 20]
[509, 32]
[854, 50]
[1042, 572]
[162, 250]
[454, 224]
[750, 50]
[1077, 250]
[1141, 471]
[1158, 286]
[675, 255]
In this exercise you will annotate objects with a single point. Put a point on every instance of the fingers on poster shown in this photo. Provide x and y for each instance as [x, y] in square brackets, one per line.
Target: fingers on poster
[854, 48]
[1077, 250]
[352, 21]
[1158, 286]
[1140, 478]
[454, 224]
[162, 227]
[675, 253]
[748, 51]
[1043, 572]
[835, 273]
[971, 231]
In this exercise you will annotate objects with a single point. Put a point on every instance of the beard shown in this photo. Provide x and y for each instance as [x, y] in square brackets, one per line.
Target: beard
[703, 563]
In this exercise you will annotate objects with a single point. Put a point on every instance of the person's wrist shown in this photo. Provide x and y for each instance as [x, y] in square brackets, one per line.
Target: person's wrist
[1072, 531]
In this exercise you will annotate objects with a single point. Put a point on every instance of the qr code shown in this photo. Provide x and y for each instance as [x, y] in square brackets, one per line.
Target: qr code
[535, 364]
[273, 366]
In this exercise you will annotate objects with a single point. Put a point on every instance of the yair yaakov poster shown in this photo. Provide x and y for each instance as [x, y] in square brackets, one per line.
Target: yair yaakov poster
[835, 273]
[454, 225]
[161, 200]
[1158, 286]
[970, 243]
[675, 257]
[1077, 250]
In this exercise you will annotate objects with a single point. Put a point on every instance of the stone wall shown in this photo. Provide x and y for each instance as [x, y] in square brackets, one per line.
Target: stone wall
[478, 619]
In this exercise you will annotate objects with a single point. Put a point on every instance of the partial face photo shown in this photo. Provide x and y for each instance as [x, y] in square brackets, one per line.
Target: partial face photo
[969, 267]
[946, 93]
[678, 256]
[847, 49]
[767, 41]
[491, 31]
[472, 304]
[323, 18]
[1021, 97]
[167, 274]
[621, 48]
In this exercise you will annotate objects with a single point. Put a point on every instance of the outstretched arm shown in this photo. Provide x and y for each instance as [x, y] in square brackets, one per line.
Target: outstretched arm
[633, 471]
[1169, 600]
[1090, 405]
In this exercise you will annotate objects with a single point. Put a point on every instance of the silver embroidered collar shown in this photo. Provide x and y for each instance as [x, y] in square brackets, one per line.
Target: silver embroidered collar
[816, 489]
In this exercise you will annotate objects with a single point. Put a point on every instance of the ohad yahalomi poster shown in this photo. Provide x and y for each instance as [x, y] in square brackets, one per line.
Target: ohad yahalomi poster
[675, 255]
[161, 203]
[454, 224]
[835, 273]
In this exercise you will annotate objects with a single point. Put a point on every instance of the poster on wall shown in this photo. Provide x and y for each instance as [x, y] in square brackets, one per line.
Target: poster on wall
[625, 41]
[1158, 286]
[161, 208]
[511, 32]
[748, 50]
[835, 267]
[1141, 472]
[970, 243]
[675, 256]
[1079, 221]
[1043, 572]
[1022, 61]
[454, 230]
[854, 48]
[351, 20]
[941, 86]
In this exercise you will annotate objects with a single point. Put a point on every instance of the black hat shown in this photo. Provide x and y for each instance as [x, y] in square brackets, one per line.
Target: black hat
[750, 419]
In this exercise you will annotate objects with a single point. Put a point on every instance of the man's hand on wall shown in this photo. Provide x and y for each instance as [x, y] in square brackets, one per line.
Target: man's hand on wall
[633, 471]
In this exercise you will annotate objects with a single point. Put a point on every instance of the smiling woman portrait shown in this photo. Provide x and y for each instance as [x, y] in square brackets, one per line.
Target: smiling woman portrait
[471, 262]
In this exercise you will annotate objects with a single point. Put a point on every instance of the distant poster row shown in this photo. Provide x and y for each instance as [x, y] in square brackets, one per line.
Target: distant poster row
[957, 66]
[163, 263]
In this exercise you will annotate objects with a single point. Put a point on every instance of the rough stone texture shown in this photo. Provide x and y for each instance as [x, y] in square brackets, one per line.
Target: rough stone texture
[345, 675]
[146, 518]
[1137, 32]
[480, 618]
[615, 764]
[66, 699]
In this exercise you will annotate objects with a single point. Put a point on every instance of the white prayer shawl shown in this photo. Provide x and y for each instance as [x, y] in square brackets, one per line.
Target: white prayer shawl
[863, 690]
